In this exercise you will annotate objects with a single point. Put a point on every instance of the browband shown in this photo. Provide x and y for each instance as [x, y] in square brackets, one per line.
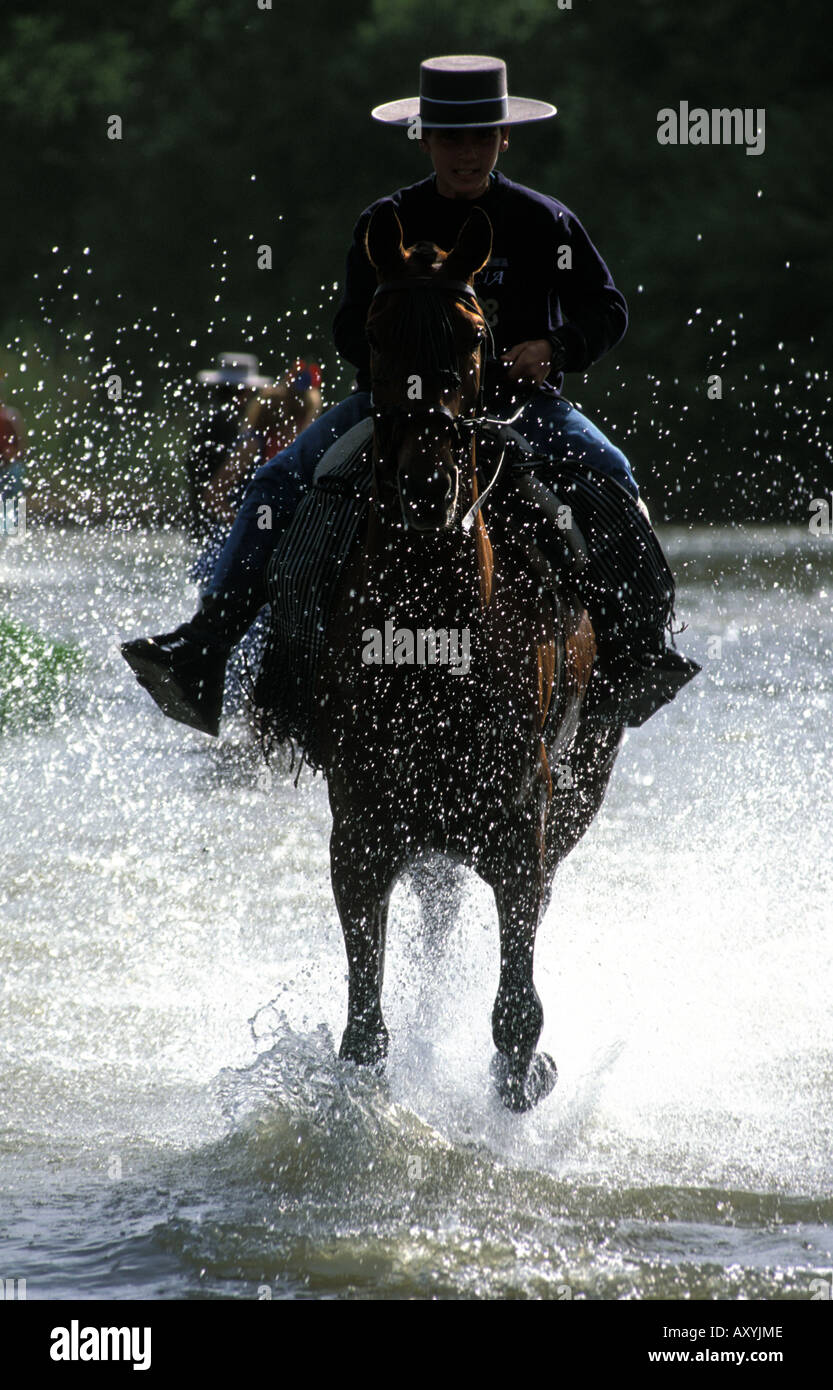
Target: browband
[428, 282]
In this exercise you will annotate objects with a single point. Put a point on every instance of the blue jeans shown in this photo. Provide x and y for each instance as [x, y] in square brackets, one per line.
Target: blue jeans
[554, 426]
[550, 423]
[11, 480]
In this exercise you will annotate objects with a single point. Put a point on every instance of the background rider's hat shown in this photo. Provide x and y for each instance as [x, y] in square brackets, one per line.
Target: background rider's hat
[462, 90]
[235, 369]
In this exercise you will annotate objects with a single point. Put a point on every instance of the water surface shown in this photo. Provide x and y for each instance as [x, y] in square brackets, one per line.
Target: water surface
[173, 1122]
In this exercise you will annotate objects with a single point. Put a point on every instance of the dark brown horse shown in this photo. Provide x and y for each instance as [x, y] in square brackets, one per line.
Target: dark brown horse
[454, 679]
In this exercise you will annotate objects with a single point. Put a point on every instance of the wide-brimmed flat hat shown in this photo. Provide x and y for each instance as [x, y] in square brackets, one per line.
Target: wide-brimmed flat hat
[463, 90]
[235, 369]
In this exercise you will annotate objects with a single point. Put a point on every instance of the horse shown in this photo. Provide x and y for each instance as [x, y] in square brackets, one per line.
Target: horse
[425, 752]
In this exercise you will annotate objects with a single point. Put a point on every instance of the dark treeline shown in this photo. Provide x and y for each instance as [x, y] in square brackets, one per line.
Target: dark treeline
[244, 126]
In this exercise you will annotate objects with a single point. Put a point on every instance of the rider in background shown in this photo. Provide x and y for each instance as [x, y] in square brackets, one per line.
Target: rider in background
[274, 414]
[552, 307]
[231, 387]
[271, 421]
[238, 444]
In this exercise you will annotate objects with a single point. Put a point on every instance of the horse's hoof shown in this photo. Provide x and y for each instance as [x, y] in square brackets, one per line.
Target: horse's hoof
[367, 1047]
[522, 1093]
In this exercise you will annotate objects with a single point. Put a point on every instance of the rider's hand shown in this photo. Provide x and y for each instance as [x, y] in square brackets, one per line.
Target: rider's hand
[528, 361]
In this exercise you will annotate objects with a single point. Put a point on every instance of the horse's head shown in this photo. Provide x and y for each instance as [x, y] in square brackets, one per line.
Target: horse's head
[426, 333]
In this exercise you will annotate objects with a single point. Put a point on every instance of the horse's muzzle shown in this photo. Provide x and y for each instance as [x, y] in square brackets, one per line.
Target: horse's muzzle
[431, 503]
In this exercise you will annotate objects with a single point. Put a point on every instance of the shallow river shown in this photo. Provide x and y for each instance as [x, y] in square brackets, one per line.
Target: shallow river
[173, 1122]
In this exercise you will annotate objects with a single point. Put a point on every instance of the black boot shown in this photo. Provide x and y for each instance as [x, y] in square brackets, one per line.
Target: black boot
[184, 671]
[631, 681]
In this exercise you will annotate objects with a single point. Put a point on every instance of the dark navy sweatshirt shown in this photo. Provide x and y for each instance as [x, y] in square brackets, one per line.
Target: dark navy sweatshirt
[544, 275]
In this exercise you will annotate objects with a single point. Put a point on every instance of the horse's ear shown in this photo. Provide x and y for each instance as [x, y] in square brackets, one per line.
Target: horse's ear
[383, 238]
[473, 248]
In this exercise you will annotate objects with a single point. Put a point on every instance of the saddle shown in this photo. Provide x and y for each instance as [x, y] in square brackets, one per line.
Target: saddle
[581, 530]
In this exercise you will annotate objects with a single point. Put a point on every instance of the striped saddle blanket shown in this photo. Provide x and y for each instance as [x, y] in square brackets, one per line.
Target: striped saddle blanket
[301, 583]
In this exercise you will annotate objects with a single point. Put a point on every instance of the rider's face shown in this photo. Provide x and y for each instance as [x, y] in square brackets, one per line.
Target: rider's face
[464, 159]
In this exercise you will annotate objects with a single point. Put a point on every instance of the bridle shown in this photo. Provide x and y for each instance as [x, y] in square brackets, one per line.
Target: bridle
[464, 427]
[460, 426]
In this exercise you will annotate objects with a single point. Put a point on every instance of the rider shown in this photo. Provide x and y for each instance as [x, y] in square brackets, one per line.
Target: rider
[552, 307]
[232, 385]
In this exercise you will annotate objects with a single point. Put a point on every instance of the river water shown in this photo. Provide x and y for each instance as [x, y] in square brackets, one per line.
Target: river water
[174, 1123]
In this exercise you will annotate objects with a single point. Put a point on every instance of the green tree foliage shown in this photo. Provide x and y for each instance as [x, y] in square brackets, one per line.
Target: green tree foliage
[245, 126]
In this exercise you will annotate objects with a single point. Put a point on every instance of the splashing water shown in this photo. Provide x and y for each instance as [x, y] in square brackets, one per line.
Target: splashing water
[159, 891]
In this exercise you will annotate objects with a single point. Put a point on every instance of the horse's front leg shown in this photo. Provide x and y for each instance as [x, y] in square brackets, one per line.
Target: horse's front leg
[362, 878]
[522, 1076]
